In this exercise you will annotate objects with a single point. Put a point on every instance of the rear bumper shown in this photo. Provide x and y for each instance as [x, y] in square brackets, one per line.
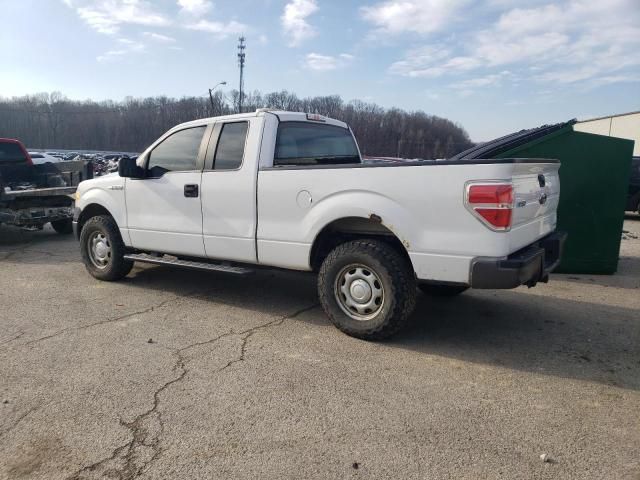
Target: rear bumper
[528, 266]
[33, 216]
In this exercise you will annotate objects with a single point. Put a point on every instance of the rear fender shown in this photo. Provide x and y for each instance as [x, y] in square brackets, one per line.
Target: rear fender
[363, 204]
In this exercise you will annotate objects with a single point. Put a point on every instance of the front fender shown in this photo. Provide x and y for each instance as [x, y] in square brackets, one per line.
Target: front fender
[111, 200]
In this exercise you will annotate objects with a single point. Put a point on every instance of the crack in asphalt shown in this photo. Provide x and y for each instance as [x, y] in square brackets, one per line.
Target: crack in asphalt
[21, 418]
[15, 337]
[108, 320]
[135, 457]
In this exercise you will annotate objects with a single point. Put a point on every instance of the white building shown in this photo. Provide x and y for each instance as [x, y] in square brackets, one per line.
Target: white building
[624, 125]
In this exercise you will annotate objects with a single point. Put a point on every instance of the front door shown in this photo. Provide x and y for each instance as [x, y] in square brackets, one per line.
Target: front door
[163, 209]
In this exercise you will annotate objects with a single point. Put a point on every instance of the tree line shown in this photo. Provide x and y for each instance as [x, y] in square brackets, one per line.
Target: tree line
[52, 121]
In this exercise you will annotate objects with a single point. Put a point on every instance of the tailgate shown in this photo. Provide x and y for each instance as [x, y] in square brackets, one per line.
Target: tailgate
[536, 189]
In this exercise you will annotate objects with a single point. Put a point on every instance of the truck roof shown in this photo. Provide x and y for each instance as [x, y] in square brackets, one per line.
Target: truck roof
[282, 115]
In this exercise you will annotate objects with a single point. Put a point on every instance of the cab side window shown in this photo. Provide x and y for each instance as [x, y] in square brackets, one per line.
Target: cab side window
[230, 150]
[177, 153]
[306, 143]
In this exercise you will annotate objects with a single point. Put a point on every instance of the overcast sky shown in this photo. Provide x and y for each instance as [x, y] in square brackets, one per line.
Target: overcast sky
[493, 66]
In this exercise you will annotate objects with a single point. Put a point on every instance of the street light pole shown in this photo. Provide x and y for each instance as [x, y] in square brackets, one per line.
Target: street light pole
[211, 93]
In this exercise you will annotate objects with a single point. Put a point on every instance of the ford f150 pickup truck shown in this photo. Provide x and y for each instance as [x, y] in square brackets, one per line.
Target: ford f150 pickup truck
[290, 190]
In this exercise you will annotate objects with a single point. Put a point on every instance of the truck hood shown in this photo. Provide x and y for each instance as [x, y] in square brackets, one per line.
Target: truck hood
[102, 182]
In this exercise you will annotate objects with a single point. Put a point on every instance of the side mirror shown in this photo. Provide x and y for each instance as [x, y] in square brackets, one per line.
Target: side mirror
[128, 168]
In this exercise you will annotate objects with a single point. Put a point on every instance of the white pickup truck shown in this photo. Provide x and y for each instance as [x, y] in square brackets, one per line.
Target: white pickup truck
[290, 190]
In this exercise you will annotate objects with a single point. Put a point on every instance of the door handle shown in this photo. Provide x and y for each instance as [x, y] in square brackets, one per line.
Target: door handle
[191, 190]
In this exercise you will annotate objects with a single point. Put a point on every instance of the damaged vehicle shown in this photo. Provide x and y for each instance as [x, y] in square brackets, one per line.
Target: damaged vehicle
[274, 189]
[32, 195]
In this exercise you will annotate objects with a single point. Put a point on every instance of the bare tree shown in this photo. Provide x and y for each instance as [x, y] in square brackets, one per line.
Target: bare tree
[52, 121]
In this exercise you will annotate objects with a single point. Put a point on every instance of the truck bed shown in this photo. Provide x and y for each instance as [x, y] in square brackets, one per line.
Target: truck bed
[422, 203]
[32, 195]
[44, 179]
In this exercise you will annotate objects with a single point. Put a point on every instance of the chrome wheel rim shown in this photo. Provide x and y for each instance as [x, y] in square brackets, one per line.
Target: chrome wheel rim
[359, 292]
[99, 250]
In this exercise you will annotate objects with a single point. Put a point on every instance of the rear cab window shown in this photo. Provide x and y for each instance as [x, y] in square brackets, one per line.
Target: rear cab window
[306, 143]
[11, 152]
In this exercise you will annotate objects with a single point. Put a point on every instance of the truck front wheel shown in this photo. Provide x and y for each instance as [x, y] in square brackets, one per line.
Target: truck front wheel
[103, 250]
[367, 289]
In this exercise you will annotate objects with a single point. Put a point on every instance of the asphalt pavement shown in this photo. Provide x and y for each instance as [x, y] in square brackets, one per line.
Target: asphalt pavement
[181, 374]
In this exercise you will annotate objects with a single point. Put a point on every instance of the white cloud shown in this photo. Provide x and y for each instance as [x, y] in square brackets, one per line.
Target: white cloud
[195, 7]
[125, 47]
[427, 61]
[323, 63]
[493, 79]
[576, 41]
[110, 55]
[159, 38]
[294, 20]
[106, 16]
[417, 16]
[219, 29]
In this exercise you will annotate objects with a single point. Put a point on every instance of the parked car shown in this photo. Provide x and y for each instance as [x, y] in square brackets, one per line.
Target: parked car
[33, 195]
[40, 157]
[633, 200]
[290, 190]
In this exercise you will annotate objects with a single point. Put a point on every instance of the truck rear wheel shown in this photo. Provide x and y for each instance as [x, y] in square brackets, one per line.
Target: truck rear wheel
[64, 226]
[103, 250]
[367, 289]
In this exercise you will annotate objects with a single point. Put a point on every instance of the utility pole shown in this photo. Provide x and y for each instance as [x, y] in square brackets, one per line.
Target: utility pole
[241, 55]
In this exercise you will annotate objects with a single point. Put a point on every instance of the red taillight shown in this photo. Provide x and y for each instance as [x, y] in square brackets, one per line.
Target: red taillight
[493, 194]
[498, 217]
[491, 203]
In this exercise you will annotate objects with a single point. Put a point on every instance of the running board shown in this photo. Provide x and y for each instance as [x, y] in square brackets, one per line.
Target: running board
[176, 262]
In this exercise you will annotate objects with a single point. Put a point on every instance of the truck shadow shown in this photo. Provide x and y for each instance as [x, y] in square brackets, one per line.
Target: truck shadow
[44, 247]
[540, 334]
[511, 329]
[626, 277]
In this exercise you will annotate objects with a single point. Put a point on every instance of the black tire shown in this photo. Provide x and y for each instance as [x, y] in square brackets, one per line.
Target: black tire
[393, 271]
[116, 267]
[442, 290]
[64, 227]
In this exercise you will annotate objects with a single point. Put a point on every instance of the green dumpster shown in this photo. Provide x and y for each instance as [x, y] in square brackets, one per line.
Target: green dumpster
[594, 178]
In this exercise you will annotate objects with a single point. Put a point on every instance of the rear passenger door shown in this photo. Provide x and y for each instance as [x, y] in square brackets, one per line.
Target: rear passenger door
[229, 191]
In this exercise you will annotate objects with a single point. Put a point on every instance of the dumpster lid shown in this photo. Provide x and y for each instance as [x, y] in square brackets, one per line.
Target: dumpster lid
[492, 148]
